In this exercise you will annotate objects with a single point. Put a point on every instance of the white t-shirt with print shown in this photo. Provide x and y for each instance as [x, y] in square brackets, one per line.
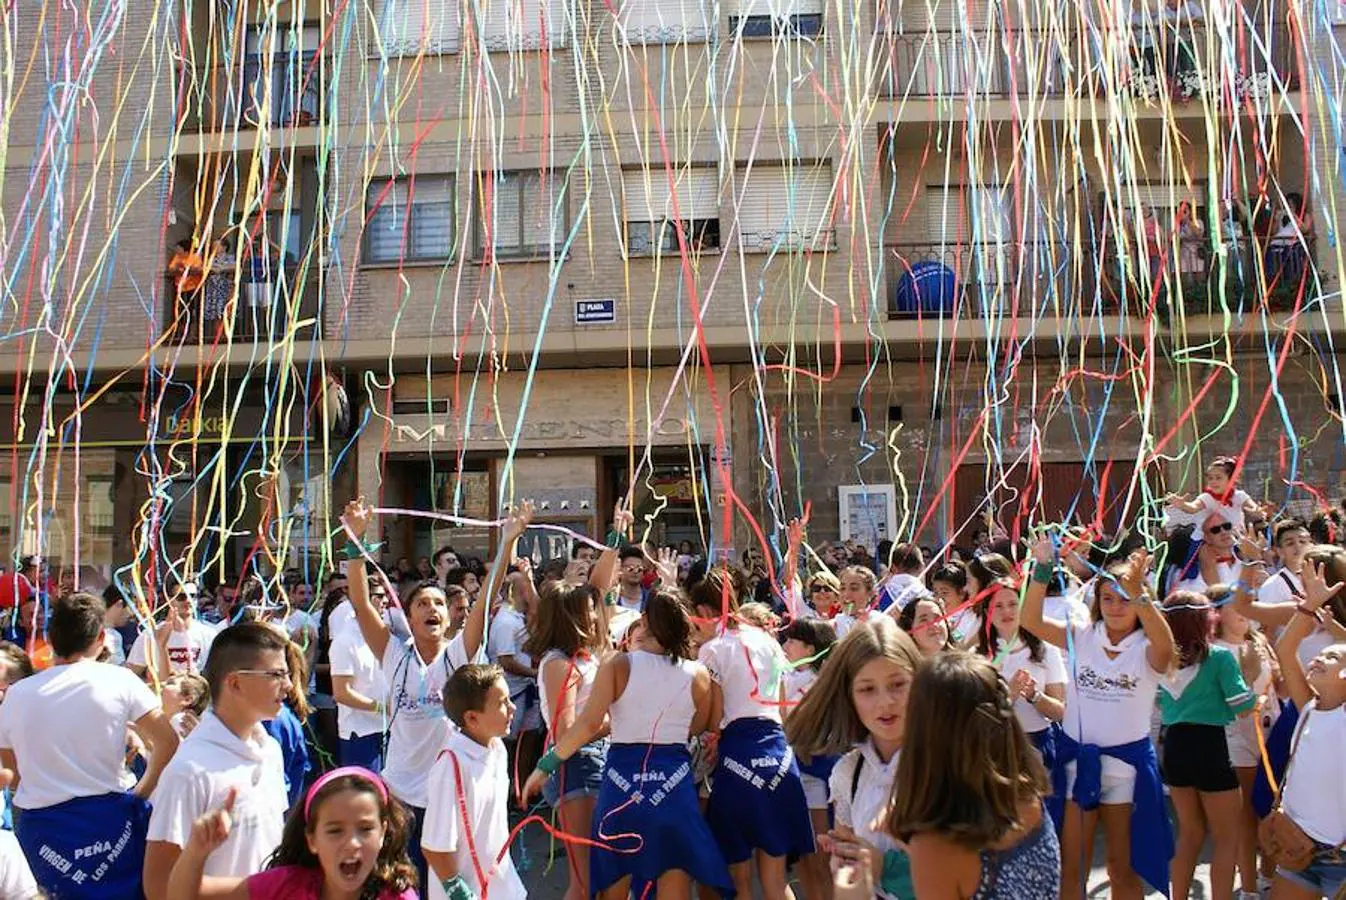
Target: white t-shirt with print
[67, 728]
[750, 681]
[1109, 701]
[350, 656]
[417, 726]
[1229, 512]
[187, 650]
[1314, 791]
[16, 878]
[197, 780]
[1051, 670]
[485, 794]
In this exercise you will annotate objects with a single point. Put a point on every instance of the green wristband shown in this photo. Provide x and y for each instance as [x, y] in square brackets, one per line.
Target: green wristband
[353, 551]
[1043, 573]
[549, 762]
[615, 540]
[456, 888]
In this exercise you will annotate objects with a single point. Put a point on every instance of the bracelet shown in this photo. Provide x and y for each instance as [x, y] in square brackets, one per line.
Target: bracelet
[354, 551]
[549, 762]
[1314, 614]
[614, 539]
[456, 888]
[1043, 573]
[1033, 700]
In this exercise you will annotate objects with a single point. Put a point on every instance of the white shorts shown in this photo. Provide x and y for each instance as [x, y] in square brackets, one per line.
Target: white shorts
[815, 791]
[1241, 736]
[1118, 788]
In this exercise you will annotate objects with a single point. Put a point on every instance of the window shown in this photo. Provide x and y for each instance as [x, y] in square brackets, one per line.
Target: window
[524, 214]
[768, 18]
[665, 21]
[522, 24]
[282, 69]
[412, 27]
[785, 207]
[654, 201]
[410, 220]
[969, 214]
[6, 498]
[101, 506]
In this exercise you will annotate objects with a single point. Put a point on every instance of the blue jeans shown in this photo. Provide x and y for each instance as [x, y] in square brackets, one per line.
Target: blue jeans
[363, 750]
[1326, 875]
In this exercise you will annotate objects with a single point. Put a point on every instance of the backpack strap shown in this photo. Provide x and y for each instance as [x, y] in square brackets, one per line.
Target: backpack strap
[1294, 591]
[855, 775]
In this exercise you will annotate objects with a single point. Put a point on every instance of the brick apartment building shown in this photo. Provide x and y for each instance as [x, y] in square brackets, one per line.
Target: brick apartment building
[514, 233]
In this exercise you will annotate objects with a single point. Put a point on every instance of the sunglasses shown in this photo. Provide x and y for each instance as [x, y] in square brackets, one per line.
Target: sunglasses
[1216, 529]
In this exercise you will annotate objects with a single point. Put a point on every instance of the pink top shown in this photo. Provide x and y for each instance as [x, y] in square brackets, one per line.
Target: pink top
[300, 883]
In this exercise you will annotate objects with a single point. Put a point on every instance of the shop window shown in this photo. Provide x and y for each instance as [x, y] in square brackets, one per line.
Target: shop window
[410, 220]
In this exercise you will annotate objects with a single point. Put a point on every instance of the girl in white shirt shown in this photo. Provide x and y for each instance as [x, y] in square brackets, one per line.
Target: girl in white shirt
[925, 620]
[1313, 792]
[858, 707]
[1034, 670]
[757, 809]
[568, 640]
[648, 826]
[1118, 663]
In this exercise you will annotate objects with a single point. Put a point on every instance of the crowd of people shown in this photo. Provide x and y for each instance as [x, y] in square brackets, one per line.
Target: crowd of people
[832, 724]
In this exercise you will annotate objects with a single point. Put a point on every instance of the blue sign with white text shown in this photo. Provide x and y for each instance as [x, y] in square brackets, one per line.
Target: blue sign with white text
[589, 312]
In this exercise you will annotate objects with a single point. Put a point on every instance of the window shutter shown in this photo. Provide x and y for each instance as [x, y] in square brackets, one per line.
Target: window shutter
[785, 207]
[431, 217]
[946, 215]
[1163, 198]
[666, 21]
[649, 199]
[502, 218]
[968, 214]
[522, 24]
[420, 26]
[946, 15]
[544, 212]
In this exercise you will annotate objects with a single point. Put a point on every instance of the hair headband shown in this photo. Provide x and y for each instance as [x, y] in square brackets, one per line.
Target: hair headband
[355, 771]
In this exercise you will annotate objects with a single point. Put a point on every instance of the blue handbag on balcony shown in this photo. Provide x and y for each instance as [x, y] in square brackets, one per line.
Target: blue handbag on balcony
[928, 287]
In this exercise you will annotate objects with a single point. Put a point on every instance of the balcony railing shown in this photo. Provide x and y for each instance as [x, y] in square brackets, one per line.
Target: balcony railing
[280, 91]
[1030, 62]
[973, 281]
[259, 307]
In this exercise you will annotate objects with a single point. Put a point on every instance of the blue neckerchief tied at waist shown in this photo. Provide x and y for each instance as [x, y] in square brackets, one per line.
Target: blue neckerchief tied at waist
[1151, 830]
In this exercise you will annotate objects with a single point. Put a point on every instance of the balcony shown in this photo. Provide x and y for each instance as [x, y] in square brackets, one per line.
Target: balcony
[284, 90]
[996, 63]
[258, 307]
[970, 281]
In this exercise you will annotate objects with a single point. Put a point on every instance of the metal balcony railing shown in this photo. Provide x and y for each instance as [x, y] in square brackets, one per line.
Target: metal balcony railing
[947, 280]
[279, 91]
[1032, 62]
[259, 305]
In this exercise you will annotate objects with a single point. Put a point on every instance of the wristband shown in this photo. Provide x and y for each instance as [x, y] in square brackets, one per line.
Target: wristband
[1043, 573]
[549, 762]
[456, 888]
[1037, 695]
[353, 551]
[615, 539]
[1314, 614]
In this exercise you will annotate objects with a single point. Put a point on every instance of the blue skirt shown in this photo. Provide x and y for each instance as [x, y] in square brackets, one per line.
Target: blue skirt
[88, 848]
[648, 821]
[757, 801]
[1045, 742]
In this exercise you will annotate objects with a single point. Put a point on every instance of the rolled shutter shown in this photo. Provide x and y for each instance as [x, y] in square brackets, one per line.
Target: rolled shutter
[412, 27]
[649, 196]
[785, 207]
[522, 24]
[666, 21]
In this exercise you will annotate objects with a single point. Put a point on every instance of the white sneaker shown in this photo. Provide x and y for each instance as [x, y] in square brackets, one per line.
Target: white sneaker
[1249, 895]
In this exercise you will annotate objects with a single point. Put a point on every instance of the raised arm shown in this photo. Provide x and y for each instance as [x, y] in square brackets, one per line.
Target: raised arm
[372, 627]
[474, 631]
[603, 575]
[1161, 649]
[1306, 618]
[1031, 616]
[790, 565]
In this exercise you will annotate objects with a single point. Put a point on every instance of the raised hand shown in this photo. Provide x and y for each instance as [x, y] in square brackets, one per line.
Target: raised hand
[1133, 575]
[357, 517]
[666, 566]
[1316, 591]
[1044, 550]
[622, 518]
[519, 520]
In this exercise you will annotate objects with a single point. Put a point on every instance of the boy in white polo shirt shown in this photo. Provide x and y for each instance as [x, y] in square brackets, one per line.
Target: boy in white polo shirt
[229, 750]
[467, 822]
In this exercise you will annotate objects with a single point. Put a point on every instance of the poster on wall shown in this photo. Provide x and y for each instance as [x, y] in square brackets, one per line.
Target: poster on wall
[868, 513]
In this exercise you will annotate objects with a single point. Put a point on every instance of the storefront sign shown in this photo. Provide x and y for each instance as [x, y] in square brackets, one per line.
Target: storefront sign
[575, 432]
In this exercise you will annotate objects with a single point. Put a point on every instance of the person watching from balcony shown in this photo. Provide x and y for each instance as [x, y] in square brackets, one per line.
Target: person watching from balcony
[186, 268]
[1191, 236]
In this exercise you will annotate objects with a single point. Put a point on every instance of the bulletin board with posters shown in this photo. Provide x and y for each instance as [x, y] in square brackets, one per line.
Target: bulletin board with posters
[868, 513]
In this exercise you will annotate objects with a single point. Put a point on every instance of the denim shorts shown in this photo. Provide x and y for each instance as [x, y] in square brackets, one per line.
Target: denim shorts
[579, 776]
[1326, 875]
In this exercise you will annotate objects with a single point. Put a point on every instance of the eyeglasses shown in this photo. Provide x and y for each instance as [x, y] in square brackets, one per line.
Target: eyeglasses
[1216, 529]
[269, 674]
